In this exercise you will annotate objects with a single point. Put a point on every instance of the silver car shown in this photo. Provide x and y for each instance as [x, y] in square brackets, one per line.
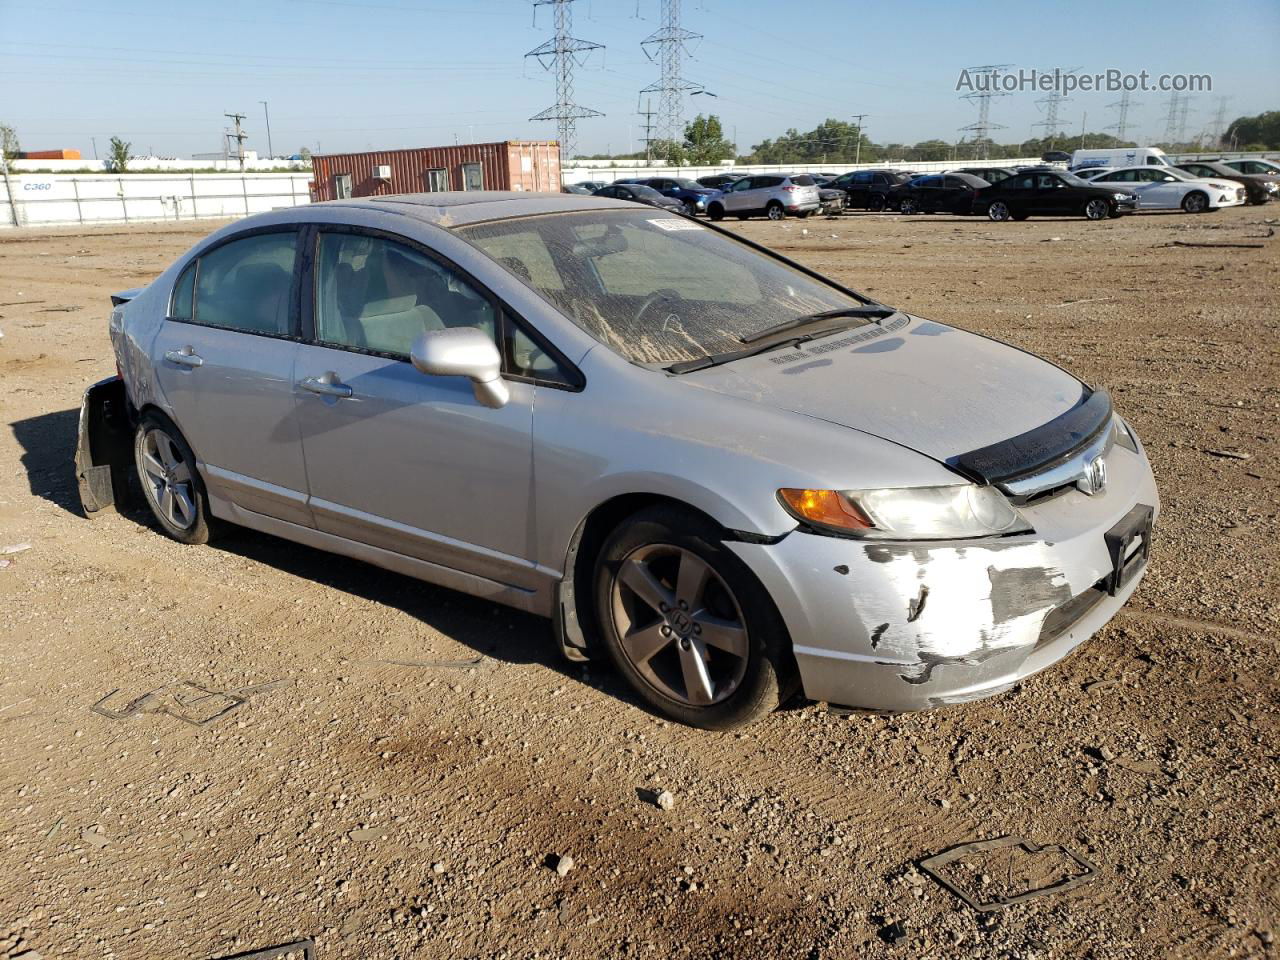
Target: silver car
[725, 473]
[772, 195]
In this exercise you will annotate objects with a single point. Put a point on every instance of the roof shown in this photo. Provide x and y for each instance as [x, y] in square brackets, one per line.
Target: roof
[457, 207]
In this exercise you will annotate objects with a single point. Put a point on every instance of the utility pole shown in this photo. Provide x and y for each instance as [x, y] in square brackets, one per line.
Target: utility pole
[266, 115]
[857, 150]
[562, 54]
[94, 141]
[239, 136]
[670, 42]
[982, 129]
[1083, 120]
[1121, 126]
[648, 114]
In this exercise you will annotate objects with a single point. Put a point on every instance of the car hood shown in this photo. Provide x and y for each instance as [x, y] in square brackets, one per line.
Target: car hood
[924, 385]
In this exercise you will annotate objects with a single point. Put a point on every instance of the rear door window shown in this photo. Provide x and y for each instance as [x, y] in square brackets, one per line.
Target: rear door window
[247, 284]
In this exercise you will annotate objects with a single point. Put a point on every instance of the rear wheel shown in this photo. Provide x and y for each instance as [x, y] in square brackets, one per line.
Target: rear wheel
[170, 481]
[1097, 209]
[1195, 202]
[1021, 216]
[775, 211]
[688, 624]
[715, 212]
[998, 211]
[875, 202]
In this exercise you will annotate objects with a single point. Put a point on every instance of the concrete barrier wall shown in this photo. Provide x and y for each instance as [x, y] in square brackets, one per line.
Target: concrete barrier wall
[34, 200]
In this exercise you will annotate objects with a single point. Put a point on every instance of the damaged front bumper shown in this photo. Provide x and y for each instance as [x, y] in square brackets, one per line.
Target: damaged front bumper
[909, 626]
[104, 449]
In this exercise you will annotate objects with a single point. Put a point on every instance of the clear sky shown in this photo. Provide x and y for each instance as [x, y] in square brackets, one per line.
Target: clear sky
[343, 74]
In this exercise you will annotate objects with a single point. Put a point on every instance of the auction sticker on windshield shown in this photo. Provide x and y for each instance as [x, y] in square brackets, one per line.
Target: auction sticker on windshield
[674, 224]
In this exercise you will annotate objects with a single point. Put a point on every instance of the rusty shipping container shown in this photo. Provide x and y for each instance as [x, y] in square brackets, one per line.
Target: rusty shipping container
[527, 165]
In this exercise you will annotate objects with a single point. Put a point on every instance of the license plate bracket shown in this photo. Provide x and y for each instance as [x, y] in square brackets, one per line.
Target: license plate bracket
[1126, 559]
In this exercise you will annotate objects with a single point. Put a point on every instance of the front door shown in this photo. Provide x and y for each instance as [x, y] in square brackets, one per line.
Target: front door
[406, 462]
[1055, 196]
[224, 364]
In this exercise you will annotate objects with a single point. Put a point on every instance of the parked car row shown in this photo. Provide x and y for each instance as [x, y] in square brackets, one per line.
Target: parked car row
[1092, 189]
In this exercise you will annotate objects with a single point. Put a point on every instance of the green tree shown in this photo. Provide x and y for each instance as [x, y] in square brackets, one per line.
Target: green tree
[118, 155]
[670, 152]
[305, 154]
[832, 141]
[704, 142]
[9, 142]
[1262, 131]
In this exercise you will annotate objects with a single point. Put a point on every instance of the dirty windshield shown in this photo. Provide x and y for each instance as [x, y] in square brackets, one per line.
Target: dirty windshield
[656, 288]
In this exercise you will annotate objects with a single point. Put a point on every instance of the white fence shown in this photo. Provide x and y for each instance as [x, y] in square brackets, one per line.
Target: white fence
[33, 200]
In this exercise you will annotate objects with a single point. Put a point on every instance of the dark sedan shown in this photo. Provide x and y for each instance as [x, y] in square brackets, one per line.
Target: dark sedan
[1259, 187]
[639, 193]
[989, 174]
[869, 189]
[693, 195]
[940, 193]
[1051, 193]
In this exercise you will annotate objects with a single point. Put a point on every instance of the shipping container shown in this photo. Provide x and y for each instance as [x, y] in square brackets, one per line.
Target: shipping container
[49, 155]
[526, 165]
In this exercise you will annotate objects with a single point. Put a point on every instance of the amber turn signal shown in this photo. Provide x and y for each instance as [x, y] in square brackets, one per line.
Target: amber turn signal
[827, 508]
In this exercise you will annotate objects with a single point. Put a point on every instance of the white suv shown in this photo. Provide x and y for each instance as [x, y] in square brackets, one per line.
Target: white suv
[774, 195]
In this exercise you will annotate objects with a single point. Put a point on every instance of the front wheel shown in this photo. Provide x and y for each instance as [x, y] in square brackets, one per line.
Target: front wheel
[690, 208]
[908, 206]
[715, 212]
[688, 624]
[775, 211]
[170, 481]
[998, 211]
[1097, 209]
[1197, 202]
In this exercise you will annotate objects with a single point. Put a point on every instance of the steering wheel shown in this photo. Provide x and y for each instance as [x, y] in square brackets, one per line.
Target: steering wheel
[655, 298]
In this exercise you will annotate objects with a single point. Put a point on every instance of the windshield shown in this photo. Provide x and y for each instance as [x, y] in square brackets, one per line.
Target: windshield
[655, 288]
[1075, 181]
[640, 190]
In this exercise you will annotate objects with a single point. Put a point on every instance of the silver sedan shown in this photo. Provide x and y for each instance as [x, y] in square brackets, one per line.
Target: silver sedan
[727, 474]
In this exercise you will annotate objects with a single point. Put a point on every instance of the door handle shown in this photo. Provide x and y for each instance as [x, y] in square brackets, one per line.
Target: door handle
[327, 385]
[186, 357]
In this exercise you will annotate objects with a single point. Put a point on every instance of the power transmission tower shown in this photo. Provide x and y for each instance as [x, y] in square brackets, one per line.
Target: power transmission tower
[561, 54]
[1121, 126]
[982, 128]
[1219, 121]
[1171, 119]
[1183, 107]
[669, 41]
[1052, 105]
[648, 113]
[239, 136]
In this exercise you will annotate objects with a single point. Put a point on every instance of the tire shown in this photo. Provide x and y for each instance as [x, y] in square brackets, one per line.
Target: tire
[875, 202]
[908, 206]
[998, 211]
[775, 211]
[739, 678]
[1097, 209]
[1195, 202]
[1021, 216]
[715, 212]
[171, 484]
[744, 216]
[690, 208]
[803, 214]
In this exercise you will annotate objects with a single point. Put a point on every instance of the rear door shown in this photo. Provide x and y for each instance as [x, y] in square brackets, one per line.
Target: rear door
[1018, 191]
[223, 360]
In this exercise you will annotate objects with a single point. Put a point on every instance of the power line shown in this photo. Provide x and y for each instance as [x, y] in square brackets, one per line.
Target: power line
[670, 41]
[562, 53]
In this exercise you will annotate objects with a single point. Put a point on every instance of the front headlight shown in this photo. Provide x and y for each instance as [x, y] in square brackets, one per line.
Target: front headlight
[1120, 196]
[955, 512]
[1124, 435]
[702, 201]
[1218, 186]
[1270, 187]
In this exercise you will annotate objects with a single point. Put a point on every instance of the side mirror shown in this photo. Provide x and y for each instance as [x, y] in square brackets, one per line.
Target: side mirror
[463, 352]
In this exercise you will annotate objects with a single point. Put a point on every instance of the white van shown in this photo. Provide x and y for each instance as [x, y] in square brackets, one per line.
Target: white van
[1119, 157]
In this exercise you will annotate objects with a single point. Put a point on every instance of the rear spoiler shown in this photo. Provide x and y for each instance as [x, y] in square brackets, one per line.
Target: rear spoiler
[124, 296]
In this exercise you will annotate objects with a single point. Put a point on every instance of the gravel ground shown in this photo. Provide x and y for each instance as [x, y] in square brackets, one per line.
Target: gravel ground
[392, 810]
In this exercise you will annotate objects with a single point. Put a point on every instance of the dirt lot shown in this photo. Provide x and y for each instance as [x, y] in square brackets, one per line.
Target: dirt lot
[395, 811]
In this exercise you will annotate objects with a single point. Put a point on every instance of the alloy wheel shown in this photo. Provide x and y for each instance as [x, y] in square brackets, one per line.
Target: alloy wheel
[1097, 209]
[776, 212]
[1195, 203]
[999, 210]
[679, 624]
[167, 479]
[907, 206]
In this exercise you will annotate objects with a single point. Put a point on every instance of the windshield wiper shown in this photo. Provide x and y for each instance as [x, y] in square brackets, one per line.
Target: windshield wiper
[876, 311]
[715, 359]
